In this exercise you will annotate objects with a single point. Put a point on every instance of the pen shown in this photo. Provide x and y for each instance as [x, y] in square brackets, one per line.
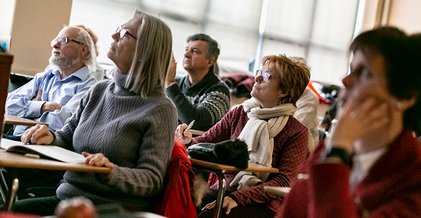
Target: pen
[190, 125]
[36, 156]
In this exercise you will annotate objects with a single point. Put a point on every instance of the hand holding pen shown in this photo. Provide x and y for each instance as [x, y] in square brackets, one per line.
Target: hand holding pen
[183, 134]
[189, 126]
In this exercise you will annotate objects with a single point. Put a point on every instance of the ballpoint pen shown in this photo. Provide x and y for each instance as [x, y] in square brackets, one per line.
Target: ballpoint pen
[190, 125]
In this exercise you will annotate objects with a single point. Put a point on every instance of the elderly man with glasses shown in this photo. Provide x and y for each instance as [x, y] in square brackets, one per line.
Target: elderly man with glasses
[52, 96]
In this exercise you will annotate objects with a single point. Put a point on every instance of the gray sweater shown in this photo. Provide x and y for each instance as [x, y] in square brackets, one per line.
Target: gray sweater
[135, 134]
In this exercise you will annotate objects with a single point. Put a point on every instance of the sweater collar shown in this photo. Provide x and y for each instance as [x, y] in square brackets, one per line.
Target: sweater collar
[209, 78]
[120, 80]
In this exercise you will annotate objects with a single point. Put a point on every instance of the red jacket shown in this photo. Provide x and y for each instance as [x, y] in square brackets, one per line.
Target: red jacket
[392, 187]
[177, 200]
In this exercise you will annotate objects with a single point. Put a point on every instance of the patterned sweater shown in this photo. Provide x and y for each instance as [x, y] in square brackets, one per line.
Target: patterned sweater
[134, 133]
[205, 102]
[290, 150]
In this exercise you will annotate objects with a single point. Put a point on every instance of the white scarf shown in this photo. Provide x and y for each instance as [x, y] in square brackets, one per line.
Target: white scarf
[258, 135]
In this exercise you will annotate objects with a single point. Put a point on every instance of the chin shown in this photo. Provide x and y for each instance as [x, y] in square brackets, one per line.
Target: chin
[110, 55]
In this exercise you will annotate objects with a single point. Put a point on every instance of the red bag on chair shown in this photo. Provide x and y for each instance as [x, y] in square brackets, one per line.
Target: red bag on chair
[177, 200]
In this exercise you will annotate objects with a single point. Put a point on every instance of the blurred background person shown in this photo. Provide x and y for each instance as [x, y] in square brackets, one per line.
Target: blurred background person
[372, 163]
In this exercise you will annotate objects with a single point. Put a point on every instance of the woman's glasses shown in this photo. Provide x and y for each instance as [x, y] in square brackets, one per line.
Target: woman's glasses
[64, 40]
[123, 31]
[265, 75]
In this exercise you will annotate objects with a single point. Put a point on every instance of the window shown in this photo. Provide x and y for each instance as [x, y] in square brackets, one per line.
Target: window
[318, 30]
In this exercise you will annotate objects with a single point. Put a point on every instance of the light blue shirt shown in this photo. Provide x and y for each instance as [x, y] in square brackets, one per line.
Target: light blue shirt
[67, 92]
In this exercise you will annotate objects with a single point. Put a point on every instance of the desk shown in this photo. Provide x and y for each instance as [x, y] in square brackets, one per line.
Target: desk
[12, 160]
[196, 132]
[217, 170]
[14, 120]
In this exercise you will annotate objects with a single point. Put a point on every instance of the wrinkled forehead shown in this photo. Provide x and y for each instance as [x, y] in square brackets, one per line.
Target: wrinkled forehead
[198, 44]
[132, 25]
[71, 32]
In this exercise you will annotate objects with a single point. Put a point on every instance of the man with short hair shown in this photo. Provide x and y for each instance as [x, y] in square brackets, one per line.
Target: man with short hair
[53, 95]
[200, 95]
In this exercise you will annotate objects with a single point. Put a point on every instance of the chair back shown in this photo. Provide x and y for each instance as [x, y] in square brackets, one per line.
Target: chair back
[5, 66]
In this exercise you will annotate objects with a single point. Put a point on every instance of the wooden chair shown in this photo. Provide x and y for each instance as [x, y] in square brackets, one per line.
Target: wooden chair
[5, 66]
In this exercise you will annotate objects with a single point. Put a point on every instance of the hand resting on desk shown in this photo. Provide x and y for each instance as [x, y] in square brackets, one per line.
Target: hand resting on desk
[41, 135]
[38, 134]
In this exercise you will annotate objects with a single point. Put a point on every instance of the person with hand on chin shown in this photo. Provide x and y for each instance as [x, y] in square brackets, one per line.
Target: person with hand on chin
[274, 138]
[371, 165]
[200, 95]
[126, 124]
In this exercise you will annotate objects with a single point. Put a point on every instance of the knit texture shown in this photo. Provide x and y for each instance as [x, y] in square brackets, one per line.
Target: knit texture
[205, 102]
[135, 134]
[289, 152]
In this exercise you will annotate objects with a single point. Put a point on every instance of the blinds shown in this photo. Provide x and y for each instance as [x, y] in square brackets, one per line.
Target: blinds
[318, 30]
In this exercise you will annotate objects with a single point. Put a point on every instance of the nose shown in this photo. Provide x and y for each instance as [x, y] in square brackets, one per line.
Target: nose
[115, 36]
[348, 80]
[55, 44]
[258, 78]
[187, 53]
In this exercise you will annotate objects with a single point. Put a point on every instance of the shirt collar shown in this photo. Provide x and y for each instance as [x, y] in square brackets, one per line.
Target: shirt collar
[82, 73]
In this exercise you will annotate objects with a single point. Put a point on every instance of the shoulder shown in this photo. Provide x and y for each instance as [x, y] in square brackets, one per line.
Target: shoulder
[162, 104]
[294, 123]
[99, 87]
[294, 128]
[307, 98]
[221, 86]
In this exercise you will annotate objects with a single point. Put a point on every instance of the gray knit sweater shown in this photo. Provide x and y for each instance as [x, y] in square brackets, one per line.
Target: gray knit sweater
[134, 133]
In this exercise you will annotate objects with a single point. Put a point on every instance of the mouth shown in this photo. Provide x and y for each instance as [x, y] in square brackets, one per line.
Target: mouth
[256, 87]
[343, 98]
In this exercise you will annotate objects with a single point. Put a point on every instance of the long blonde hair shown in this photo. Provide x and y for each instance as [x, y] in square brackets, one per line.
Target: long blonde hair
[147, 72]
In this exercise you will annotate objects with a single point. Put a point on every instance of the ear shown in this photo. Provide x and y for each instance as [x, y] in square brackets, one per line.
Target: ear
[283, 94]
[85, 50]
[404, 104]
[210, 62]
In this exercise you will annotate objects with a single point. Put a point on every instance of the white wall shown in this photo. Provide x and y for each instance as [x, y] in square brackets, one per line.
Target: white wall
[32, 25]
[406, 15]
[7, 11]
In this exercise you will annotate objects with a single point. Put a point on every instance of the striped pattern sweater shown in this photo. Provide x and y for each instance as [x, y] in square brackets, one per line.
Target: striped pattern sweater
[205, 102]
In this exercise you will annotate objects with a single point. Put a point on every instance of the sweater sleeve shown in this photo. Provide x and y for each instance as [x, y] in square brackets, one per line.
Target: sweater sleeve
[212, 106]
[222, 130]
[290, 155]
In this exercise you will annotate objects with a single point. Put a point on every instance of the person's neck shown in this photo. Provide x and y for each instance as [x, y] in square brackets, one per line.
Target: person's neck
[377, 141]
[197, 76]
[67, 71]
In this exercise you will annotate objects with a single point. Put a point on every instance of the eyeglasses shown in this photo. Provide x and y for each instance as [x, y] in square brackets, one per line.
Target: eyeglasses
[64, 40]
[265, 75]
[123, 31]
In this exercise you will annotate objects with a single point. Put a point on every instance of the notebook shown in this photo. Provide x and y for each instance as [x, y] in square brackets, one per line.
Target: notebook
[42, 151]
